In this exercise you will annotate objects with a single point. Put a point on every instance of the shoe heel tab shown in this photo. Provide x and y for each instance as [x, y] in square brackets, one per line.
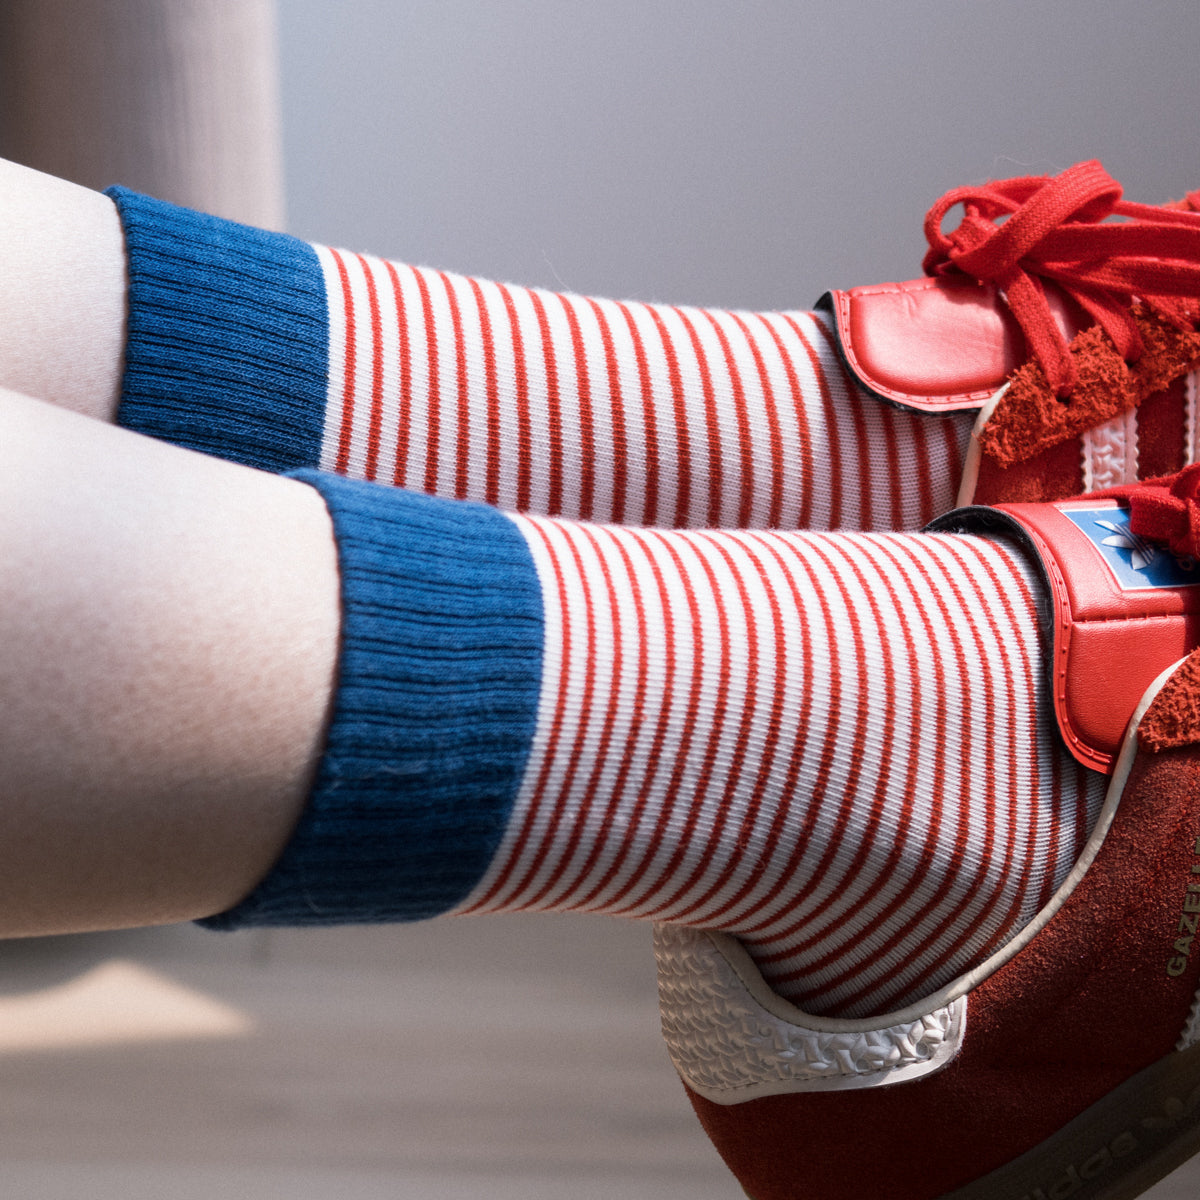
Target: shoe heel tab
[1119, 607]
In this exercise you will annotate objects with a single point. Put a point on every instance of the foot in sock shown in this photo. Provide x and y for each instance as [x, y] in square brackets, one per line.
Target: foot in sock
[838, 747]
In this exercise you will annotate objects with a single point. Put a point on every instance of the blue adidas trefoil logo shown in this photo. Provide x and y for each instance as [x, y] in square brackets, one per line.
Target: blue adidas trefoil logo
[1141, 552]
[1134, 562]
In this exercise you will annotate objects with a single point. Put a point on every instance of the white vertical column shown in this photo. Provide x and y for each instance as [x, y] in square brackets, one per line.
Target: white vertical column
[178, 98]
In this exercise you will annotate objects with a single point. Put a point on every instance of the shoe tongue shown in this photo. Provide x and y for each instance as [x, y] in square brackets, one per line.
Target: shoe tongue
[935, 345]
[1020, 234]
[1083, 316]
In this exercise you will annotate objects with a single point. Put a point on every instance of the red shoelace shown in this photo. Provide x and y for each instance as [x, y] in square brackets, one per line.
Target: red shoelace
[1017, 233]
[1165, 510]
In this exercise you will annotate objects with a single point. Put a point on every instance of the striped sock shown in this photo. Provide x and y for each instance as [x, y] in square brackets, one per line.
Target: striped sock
[260, 348]
[837, 746]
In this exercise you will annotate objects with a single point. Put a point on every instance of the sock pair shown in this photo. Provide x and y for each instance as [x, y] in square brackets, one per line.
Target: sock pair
[837, 747]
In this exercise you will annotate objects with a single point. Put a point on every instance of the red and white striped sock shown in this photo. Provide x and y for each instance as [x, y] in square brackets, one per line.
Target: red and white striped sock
[837, 746]
[627, 413]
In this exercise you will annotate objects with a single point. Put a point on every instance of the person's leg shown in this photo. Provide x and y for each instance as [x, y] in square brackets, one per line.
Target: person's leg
[838, 747]
[277, 354]
[169, 631]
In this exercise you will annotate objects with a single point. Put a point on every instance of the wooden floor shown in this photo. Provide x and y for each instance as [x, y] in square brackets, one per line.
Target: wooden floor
[497, 1059]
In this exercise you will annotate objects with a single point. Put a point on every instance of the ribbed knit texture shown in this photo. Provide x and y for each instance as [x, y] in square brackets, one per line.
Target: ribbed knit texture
[265, 350]
[438, 683]
[227, 349]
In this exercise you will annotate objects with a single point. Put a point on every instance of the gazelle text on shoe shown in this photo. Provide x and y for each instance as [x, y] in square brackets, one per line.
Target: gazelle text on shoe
[1189, 918]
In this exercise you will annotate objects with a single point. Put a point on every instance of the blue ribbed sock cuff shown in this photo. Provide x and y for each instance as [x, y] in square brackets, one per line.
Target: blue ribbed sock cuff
[227, 348]
[437, 697]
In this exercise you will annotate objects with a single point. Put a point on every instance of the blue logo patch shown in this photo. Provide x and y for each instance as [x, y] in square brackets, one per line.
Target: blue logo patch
[1135, 563]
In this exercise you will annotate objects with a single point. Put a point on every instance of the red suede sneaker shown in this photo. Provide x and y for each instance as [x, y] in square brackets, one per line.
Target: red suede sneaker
[1068, 1065]
[1075, 337]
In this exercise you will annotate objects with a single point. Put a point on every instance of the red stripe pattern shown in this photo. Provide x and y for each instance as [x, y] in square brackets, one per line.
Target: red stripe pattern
[837, 747]
[628, 413]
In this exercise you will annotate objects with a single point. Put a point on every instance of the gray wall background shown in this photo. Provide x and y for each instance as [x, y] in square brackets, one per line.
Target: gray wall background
[745, 153]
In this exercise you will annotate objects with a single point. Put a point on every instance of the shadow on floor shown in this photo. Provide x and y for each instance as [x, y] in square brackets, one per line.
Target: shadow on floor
[458, 1060]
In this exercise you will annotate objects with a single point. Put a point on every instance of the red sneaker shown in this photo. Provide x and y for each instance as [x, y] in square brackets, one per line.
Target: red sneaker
[1074, 337]
[1069, 1063]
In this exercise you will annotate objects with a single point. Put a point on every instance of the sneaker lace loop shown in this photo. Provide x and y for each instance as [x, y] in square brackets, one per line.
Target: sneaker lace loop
[1165, 510]
[1020, 233]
